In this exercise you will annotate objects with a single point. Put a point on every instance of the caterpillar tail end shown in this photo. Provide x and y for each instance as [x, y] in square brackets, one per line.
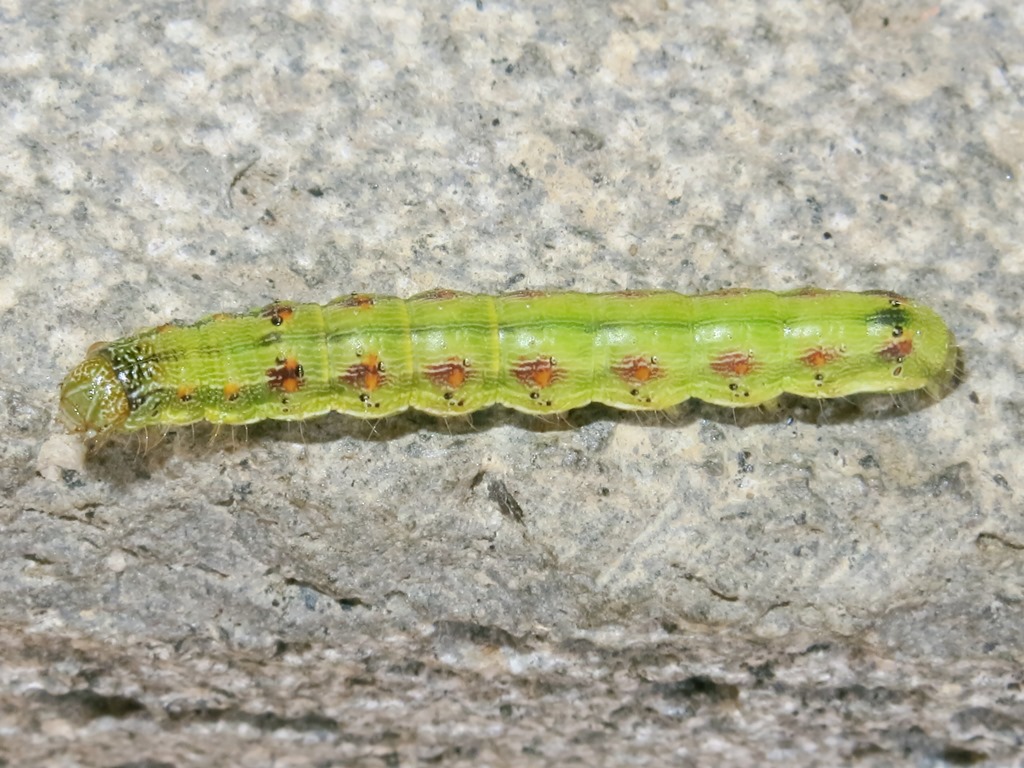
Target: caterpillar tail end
[948, 374]
[93, 402]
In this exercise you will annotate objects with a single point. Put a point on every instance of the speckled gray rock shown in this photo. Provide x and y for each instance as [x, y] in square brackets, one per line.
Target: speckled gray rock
[818, 585]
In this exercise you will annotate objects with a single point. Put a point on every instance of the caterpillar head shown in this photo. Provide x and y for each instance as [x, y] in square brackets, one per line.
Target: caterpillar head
[93, 401]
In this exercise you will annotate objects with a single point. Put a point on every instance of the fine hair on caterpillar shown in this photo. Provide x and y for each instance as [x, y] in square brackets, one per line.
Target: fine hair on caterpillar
[157, 444]
[451, 354]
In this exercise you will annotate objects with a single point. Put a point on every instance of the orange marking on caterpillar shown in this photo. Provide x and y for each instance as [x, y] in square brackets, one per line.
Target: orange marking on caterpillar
[897, 350]
[278, 313]
[185, 393]
[638, 370]
[367, 374]
[809, 292]
[524, 294]
[816, 357]
[438, 294]
[287, 377]
[231, 391]
[539, 373]
[728, 292]
[734, 364]
[358, 301]
[631, 293]
[449, 374]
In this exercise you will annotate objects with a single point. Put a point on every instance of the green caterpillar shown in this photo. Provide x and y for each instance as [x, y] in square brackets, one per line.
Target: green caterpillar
[450, 353]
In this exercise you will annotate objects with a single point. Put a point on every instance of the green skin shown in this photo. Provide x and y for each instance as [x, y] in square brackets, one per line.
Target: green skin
[450, 353]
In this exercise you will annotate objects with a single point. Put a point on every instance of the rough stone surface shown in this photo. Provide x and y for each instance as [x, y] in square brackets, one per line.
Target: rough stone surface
[814, 586]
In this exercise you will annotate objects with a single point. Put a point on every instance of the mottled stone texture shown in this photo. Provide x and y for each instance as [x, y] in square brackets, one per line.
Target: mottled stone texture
[809, 586]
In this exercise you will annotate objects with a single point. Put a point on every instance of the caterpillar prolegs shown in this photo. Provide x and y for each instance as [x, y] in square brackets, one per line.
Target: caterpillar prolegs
[448, 353]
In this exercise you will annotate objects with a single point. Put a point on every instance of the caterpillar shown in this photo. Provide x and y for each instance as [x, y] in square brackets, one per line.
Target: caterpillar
[447, 353]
